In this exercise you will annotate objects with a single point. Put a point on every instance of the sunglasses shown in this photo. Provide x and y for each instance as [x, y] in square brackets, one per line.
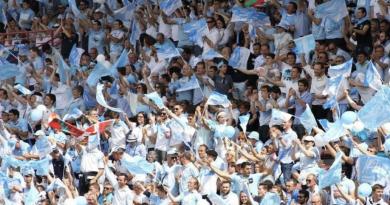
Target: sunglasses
[163, 113]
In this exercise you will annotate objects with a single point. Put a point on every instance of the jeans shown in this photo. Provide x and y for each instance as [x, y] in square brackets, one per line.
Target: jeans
[286, 171]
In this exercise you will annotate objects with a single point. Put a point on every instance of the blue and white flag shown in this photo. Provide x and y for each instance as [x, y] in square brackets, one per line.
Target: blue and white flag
[325, 124]
[373, 169]
[167, 51]
[305, 44]
[189, 85]
[211, 54]
[43, 146]
[57, 183]
[279, 116]
[98, 71]
[335, 131]
[22, 89]
[102, 101]
[170, 6]
[31, 197]
[332, 175]
[216, 98]
[75, 56]
[342, 69]
[94, 140]
[41, 166]
[244, 119]
[122, 61]
[372, 78]
[195, 30]
[249, 15]
[75, 10]
[3, 17]
[331, 90]
[63, 68]
[135, 33]
[270, 198]
[308, 120]
[8, 71]
[155, 97]
[372, 114]
[239, 57]
[125, 13]
[138, 165]
[75, 113]
[334, 9]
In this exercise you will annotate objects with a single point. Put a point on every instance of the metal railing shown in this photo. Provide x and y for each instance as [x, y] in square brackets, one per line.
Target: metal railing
[36, 38]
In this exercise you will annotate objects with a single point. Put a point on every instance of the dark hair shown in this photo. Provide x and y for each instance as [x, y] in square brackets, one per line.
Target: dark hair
[304, 82]
[80, 89]
[362, 9]
[376, 187]
[267, 87]
[267, 185]
[279, 127]
[52, 97]
[276, 89]
[14, 112]
[304, 193]
[245, 164]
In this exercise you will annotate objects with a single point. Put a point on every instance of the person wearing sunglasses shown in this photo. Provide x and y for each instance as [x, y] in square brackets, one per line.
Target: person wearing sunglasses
[106, 197]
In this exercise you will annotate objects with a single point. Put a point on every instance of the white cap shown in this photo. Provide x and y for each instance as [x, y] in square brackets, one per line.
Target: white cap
[131, 138]
[39, 133]
[308, 138]
[254, 135]
[172, 151]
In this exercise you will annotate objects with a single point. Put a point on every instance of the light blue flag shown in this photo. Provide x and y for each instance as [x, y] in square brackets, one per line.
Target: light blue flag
[308, 120]
[372, 78]
[102, 101]
[342, 69]
[93, 141]
[62, 70]
[10, 161]
[215, 199]
[57, 183]
[3, 17]
[41, 166]
[167, 51]
[372, 114]
[234, 59]
[98, 71]
[335, 131]
[125, 13]
[334, 9]
[195, 30]
[249, 15]
[8, 71]
[270, 198]
[23, 89]
[135, 33]
[75, 10]
[305, 44]
[138, 165]
[189, 85]
[280, 116]
[373, 169]
[170, 6]
[239, 14]
[332, 89]
[75, 56]
[43, 146]
[332, 175]
[211, 54]
[122, 61]
[155, 97]
[217, 98]
[75, 113]
[325, 124]
[244, 119]
[31, 197]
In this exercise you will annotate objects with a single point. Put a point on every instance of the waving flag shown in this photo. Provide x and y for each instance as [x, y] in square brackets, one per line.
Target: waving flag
[372, 114]
[62, 66]
[94, 141]
[43, 146]
[125, 13]
[244, 119]
[135, 33]
[332, 175]
[170, 6]
[138, 165]
[3, 16]
[373, 169]
[335, 131]
[278, 117]
[216, 98]
[332, 90]
[75, 113]
[305, 44]
[8, 71]
[23, 89]
[334, 9]
[342, 69]
[195, 30]
[308, 120]
[372, 78]
[250, 15]
[57, 183]
[239, 57]
[57, 124]
[325, 124]
[41, 166]
[98, 71]
[215, 199]
[100, 126]
[189, 85]
[102, 101]
[155, 97]
[75, 9]
[167, 51]
[75, 56]
[211, 54]
[122, 61]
